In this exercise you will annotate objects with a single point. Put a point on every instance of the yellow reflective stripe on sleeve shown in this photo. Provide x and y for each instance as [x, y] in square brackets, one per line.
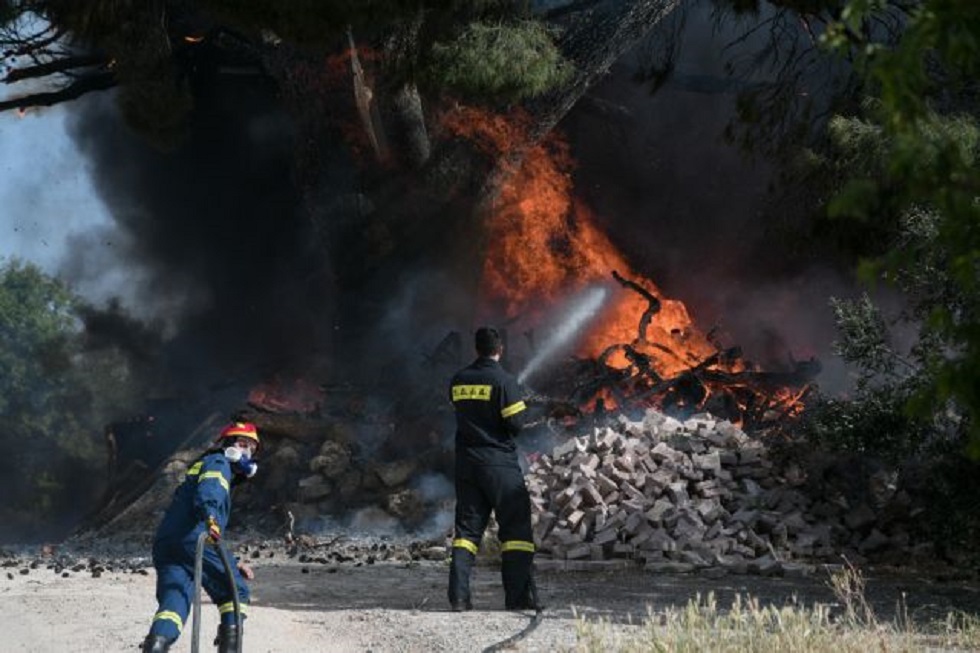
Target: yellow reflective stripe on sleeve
[225, 608]
[218, 475]
[195, 469]
[461, 543]
[167, 615]
[477, 392]
[517, 545]
[513, 409]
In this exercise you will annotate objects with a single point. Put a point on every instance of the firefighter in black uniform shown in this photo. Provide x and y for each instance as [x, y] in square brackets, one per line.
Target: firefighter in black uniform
[489, 413]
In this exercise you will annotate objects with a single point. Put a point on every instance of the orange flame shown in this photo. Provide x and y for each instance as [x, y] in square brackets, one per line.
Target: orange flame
[544, 245]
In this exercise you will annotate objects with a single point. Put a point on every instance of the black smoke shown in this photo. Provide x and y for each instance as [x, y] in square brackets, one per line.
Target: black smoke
[216, 249]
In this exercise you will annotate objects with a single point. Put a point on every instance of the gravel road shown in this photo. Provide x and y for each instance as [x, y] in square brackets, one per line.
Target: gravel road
[325, 605]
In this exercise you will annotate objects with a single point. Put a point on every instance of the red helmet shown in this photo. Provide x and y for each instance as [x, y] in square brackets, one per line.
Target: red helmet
[240, 430]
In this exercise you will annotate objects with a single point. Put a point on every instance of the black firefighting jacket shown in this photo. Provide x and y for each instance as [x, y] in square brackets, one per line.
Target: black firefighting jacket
[490, 411]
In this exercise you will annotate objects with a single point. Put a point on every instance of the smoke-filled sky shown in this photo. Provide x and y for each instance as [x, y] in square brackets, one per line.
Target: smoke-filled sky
[208, 237]
[46, 190]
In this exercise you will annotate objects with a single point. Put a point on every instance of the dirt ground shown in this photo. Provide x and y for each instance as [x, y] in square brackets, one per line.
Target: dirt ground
[304, 605]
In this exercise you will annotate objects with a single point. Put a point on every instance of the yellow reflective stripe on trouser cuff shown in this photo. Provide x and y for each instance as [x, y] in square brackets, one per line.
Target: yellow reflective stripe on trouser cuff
[218, 475]
[517, 545]
[461, 543]
[513, 409]
[225, 608]
[167, 615]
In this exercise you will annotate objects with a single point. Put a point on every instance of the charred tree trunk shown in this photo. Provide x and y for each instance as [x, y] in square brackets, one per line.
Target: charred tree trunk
[405, 103]
[410, 125]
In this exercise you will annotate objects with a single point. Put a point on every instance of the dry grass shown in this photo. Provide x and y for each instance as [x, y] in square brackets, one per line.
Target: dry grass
[747, 626]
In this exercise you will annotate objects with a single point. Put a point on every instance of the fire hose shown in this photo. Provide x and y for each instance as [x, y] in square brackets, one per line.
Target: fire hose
[527, 630]
[202, 540]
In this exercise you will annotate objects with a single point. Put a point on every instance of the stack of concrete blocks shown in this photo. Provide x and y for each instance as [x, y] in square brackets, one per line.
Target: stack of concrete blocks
[697, 494]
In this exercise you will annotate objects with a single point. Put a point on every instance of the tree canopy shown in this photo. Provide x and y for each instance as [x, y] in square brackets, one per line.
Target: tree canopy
[146, 48]
[924, 125]
[56, 395]
[898, 151]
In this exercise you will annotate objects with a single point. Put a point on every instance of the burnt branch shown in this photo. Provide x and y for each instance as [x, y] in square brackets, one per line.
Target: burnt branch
[653, 302]
[52, 67]
[73, 91]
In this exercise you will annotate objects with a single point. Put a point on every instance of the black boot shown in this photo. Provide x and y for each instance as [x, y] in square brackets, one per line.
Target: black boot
[156, 644]
[528, 600]
[459, 580]
[227, 639]
[517, 571]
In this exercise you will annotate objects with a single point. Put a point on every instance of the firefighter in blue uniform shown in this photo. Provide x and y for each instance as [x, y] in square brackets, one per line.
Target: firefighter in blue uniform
[490, 411]
[202, 503]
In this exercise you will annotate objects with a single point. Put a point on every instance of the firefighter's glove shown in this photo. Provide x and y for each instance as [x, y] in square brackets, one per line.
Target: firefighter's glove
[214, 531]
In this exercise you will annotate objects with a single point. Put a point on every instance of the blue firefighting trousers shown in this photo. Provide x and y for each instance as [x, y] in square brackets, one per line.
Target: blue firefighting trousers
[174, 563]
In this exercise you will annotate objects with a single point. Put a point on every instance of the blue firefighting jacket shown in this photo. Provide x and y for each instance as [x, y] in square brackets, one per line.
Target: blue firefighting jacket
[205, 492]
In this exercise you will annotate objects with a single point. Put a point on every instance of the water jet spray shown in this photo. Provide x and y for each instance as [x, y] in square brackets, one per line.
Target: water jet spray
[580, 312]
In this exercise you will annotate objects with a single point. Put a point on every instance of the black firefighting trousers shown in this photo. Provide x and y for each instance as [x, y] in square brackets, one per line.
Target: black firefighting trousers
[481, 489]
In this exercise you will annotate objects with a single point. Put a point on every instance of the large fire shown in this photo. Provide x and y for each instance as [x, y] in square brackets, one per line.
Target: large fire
[544, 246]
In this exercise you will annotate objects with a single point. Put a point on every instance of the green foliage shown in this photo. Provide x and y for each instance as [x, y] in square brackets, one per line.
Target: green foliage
[55, 398]
[863, 335]
[858, 143]
[875, 420]
[894, 414]
[929, 179]
[950, 487]
[36, 322]
[508, 61]
[876, 425]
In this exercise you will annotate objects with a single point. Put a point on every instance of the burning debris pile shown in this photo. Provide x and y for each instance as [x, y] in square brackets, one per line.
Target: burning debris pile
[700, 493]
[552, 273]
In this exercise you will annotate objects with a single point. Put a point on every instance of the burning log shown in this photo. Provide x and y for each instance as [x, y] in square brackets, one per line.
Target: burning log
[653, 309]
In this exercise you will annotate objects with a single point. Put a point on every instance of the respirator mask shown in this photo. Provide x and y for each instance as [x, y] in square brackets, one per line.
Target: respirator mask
[240, 462]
